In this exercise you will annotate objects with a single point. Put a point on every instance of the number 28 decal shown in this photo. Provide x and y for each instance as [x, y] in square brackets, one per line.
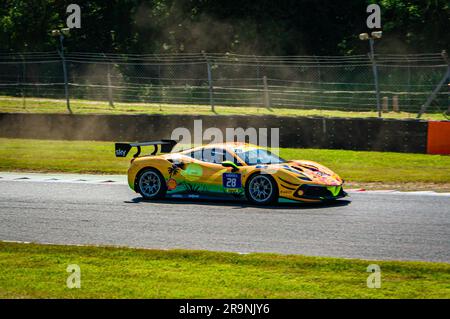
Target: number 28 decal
[231, 180]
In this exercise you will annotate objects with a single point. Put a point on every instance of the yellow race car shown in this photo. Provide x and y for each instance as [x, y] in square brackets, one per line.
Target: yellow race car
[227, 170]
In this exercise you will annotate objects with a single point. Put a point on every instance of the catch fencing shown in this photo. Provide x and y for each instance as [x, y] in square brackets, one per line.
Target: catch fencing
[343, 83]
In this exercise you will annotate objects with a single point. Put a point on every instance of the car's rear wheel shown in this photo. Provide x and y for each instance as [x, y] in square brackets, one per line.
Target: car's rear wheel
[151, 184]
[261, 189]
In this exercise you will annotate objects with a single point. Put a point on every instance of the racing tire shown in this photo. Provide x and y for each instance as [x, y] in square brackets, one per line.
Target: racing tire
[261, 189]
[150, 184]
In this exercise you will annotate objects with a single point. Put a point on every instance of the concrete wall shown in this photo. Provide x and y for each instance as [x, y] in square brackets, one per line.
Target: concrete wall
[308, 132]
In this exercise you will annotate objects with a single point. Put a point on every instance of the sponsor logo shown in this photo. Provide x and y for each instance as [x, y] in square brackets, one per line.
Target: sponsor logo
[171, 184]
[121, 153]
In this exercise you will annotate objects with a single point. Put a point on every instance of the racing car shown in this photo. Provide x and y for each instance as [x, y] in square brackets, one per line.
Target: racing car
[231, 170]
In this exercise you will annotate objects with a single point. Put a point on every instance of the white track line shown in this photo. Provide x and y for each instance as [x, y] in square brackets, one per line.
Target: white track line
[122, 180]
[64, 178]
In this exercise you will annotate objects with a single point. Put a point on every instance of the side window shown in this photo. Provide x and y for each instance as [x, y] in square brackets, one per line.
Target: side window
[218, 155]
[240, 155]
[213, 155]
[196, 154]
[231, 158]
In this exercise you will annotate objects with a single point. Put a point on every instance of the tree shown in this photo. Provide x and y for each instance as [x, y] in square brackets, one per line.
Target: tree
[285, 27]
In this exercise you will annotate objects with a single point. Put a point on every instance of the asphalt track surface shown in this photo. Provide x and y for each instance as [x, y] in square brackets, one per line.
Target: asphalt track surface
[370, 226]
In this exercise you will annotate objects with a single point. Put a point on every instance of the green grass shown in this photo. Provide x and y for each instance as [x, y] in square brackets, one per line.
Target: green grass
[361, 166]
[98, 157]
[60, 156]
[40, 105]
[39, 271]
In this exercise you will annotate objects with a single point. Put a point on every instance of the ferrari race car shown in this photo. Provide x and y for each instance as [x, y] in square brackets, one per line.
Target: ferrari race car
[228, 170]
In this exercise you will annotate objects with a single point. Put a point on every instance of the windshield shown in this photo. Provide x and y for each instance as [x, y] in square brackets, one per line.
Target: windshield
[258, 156]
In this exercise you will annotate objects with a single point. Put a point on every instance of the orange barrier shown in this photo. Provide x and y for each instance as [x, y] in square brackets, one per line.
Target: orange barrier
[438, 141]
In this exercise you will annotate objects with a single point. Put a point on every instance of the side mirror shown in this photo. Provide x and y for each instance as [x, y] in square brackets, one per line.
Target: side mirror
[235, 168]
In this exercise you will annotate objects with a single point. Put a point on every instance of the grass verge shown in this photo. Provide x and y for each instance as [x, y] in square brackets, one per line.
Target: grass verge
[39, 271]
[356, 167]
[41, 105]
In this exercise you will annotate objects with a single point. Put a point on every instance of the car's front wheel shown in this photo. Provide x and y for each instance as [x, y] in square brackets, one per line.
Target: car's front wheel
[151, 184]
[261, 189]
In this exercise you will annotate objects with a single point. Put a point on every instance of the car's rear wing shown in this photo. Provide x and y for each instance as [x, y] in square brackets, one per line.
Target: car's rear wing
[122, 149]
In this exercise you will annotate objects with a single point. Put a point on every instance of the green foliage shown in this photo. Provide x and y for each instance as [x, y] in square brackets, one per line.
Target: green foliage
[173, 170]
[287, 27]
[415, 25]
[192, 188]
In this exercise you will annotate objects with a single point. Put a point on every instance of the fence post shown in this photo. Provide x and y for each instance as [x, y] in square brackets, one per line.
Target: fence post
[448, 95]
[444, 80]
[375, 76]
[395, 105]
[159, 85]
[108, 78]
[319, 73]
[409, 83]
[257, 70]
[110, 93]
[385, 104]
[66, 84]
[430, 99]
[266, 93]
[210, 83]
[24, 102]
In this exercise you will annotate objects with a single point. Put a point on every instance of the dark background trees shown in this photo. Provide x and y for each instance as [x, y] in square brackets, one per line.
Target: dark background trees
[265, 27]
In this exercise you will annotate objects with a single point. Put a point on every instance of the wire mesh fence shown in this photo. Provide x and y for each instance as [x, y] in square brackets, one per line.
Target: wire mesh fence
[343, 83]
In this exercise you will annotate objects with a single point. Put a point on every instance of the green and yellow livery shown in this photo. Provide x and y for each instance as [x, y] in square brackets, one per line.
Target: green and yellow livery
[228, 170]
